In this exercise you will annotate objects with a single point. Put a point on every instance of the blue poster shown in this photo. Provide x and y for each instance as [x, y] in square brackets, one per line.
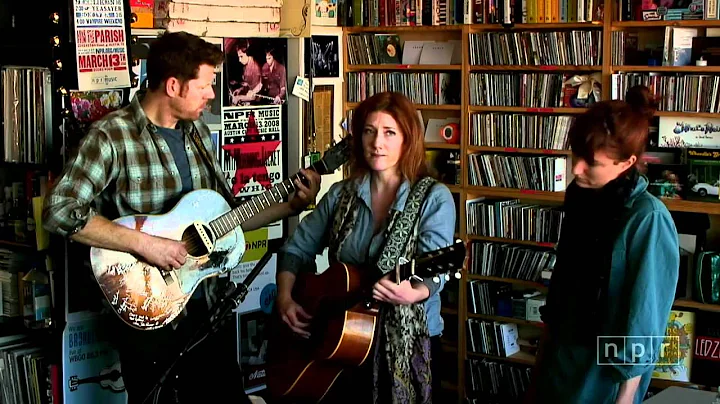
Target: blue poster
[91, 366]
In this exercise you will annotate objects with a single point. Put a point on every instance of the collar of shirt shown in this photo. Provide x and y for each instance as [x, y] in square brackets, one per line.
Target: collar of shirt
[363, 192]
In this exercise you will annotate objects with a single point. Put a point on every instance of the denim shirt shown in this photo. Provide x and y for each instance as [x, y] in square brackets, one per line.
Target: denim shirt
[436, 229]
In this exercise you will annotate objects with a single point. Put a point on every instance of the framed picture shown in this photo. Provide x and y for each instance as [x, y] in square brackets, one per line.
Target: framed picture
[324, 51]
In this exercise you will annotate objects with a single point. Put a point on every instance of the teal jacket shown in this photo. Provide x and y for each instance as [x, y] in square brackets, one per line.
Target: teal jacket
[641, 290]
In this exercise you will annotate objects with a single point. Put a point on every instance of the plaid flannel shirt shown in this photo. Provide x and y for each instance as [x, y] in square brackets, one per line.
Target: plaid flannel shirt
[123, 167]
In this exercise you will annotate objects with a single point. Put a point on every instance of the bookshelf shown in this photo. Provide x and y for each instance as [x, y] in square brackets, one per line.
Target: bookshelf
[605, 27]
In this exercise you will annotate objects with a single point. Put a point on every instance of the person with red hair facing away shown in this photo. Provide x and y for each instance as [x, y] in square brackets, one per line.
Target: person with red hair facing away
[618, 256]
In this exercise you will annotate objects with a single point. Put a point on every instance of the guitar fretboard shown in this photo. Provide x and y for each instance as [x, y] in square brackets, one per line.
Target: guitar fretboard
[226, 223]
[231, 220]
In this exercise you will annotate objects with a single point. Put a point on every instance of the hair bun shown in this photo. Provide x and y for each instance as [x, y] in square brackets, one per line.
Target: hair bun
[641, 100]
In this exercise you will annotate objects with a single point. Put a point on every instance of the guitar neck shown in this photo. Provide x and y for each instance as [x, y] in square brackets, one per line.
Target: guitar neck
[236, 217]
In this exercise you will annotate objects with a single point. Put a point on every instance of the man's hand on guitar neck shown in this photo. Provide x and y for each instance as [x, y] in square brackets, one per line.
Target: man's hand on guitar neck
[305, 194]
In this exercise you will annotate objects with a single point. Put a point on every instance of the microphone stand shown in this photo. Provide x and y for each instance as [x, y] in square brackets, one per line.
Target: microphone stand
[233, 296]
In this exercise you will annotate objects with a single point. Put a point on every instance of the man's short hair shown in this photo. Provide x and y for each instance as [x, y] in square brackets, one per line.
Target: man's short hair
[179, 55]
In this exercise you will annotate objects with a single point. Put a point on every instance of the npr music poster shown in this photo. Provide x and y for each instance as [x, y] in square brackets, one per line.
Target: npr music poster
[251, 152]
[101, 44]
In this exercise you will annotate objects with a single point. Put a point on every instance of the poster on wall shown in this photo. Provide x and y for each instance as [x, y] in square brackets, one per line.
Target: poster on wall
[254, 91]
[91, 366]
[325, 13]
[262, 290]
[101, 45]
[324, 54]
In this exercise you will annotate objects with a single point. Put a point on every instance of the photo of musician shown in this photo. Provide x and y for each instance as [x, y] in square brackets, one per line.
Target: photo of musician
[254, 71]
[617, 266]
[142, 159]
[355, 220]
[243, 88]
[274, 77]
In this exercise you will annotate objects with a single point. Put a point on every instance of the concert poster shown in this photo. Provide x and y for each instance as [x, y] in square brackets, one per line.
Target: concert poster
[101, 44]
[255, 71]
[251, 152]
[253, 117]
[91, 366]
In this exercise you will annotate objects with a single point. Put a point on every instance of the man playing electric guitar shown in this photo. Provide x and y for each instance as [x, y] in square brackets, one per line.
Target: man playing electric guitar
[141, 160]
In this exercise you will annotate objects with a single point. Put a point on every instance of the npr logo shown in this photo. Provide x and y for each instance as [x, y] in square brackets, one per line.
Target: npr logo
[639, 351]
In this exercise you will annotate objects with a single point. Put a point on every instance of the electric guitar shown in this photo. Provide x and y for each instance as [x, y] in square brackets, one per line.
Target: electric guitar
[109, 378]
[146, 297]
[343, 326]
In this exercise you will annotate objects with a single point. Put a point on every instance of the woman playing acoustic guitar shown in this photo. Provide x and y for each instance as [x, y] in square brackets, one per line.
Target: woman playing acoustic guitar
[357, 220]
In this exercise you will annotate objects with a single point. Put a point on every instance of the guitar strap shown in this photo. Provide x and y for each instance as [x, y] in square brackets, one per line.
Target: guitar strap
[207, 159]
[396, 242]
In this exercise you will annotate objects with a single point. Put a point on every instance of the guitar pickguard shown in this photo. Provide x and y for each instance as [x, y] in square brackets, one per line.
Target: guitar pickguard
[148, 298]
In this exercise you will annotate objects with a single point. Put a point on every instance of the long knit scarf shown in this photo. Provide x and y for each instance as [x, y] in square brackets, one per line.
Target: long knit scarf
[402, 350]
[593, 219]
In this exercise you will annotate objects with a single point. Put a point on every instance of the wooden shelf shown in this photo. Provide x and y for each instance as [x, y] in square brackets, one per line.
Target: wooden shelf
[680, 205]
[531, 110]
[541, 68]
[441, 145]
[427, 107]
[361, 68]
[506, 319]
[565, 25]
[691, 304]
[520, 282]
[688, 114]
[449, 311]
[424, 28]
[669, 69]
[510, 241]
[672, 23]
[518, 150]
[517, 193]
[520, 357]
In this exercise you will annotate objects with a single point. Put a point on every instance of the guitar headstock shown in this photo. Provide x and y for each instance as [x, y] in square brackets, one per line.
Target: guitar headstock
[334, 157]
[73, 383]
[442, 262]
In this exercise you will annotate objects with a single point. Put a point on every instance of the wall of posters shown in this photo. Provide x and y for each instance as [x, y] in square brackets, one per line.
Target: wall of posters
[253, 93]
[101, 45]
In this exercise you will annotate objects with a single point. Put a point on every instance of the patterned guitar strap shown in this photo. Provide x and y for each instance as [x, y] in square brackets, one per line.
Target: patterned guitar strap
[402, 350]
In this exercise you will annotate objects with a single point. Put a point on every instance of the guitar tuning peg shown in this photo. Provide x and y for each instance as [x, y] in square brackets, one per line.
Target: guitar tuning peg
[447, 277]
[458, 275]
[436, 279]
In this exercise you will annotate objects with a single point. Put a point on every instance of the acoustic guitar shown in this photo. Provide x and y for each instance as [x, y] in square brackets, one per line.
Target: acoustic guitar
[109, 378]
[343, 328]
[146, 297]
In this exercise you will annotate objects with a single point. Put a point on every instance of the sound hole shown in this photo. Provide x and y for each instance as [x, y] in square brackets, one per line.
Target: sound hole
[194, 243]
